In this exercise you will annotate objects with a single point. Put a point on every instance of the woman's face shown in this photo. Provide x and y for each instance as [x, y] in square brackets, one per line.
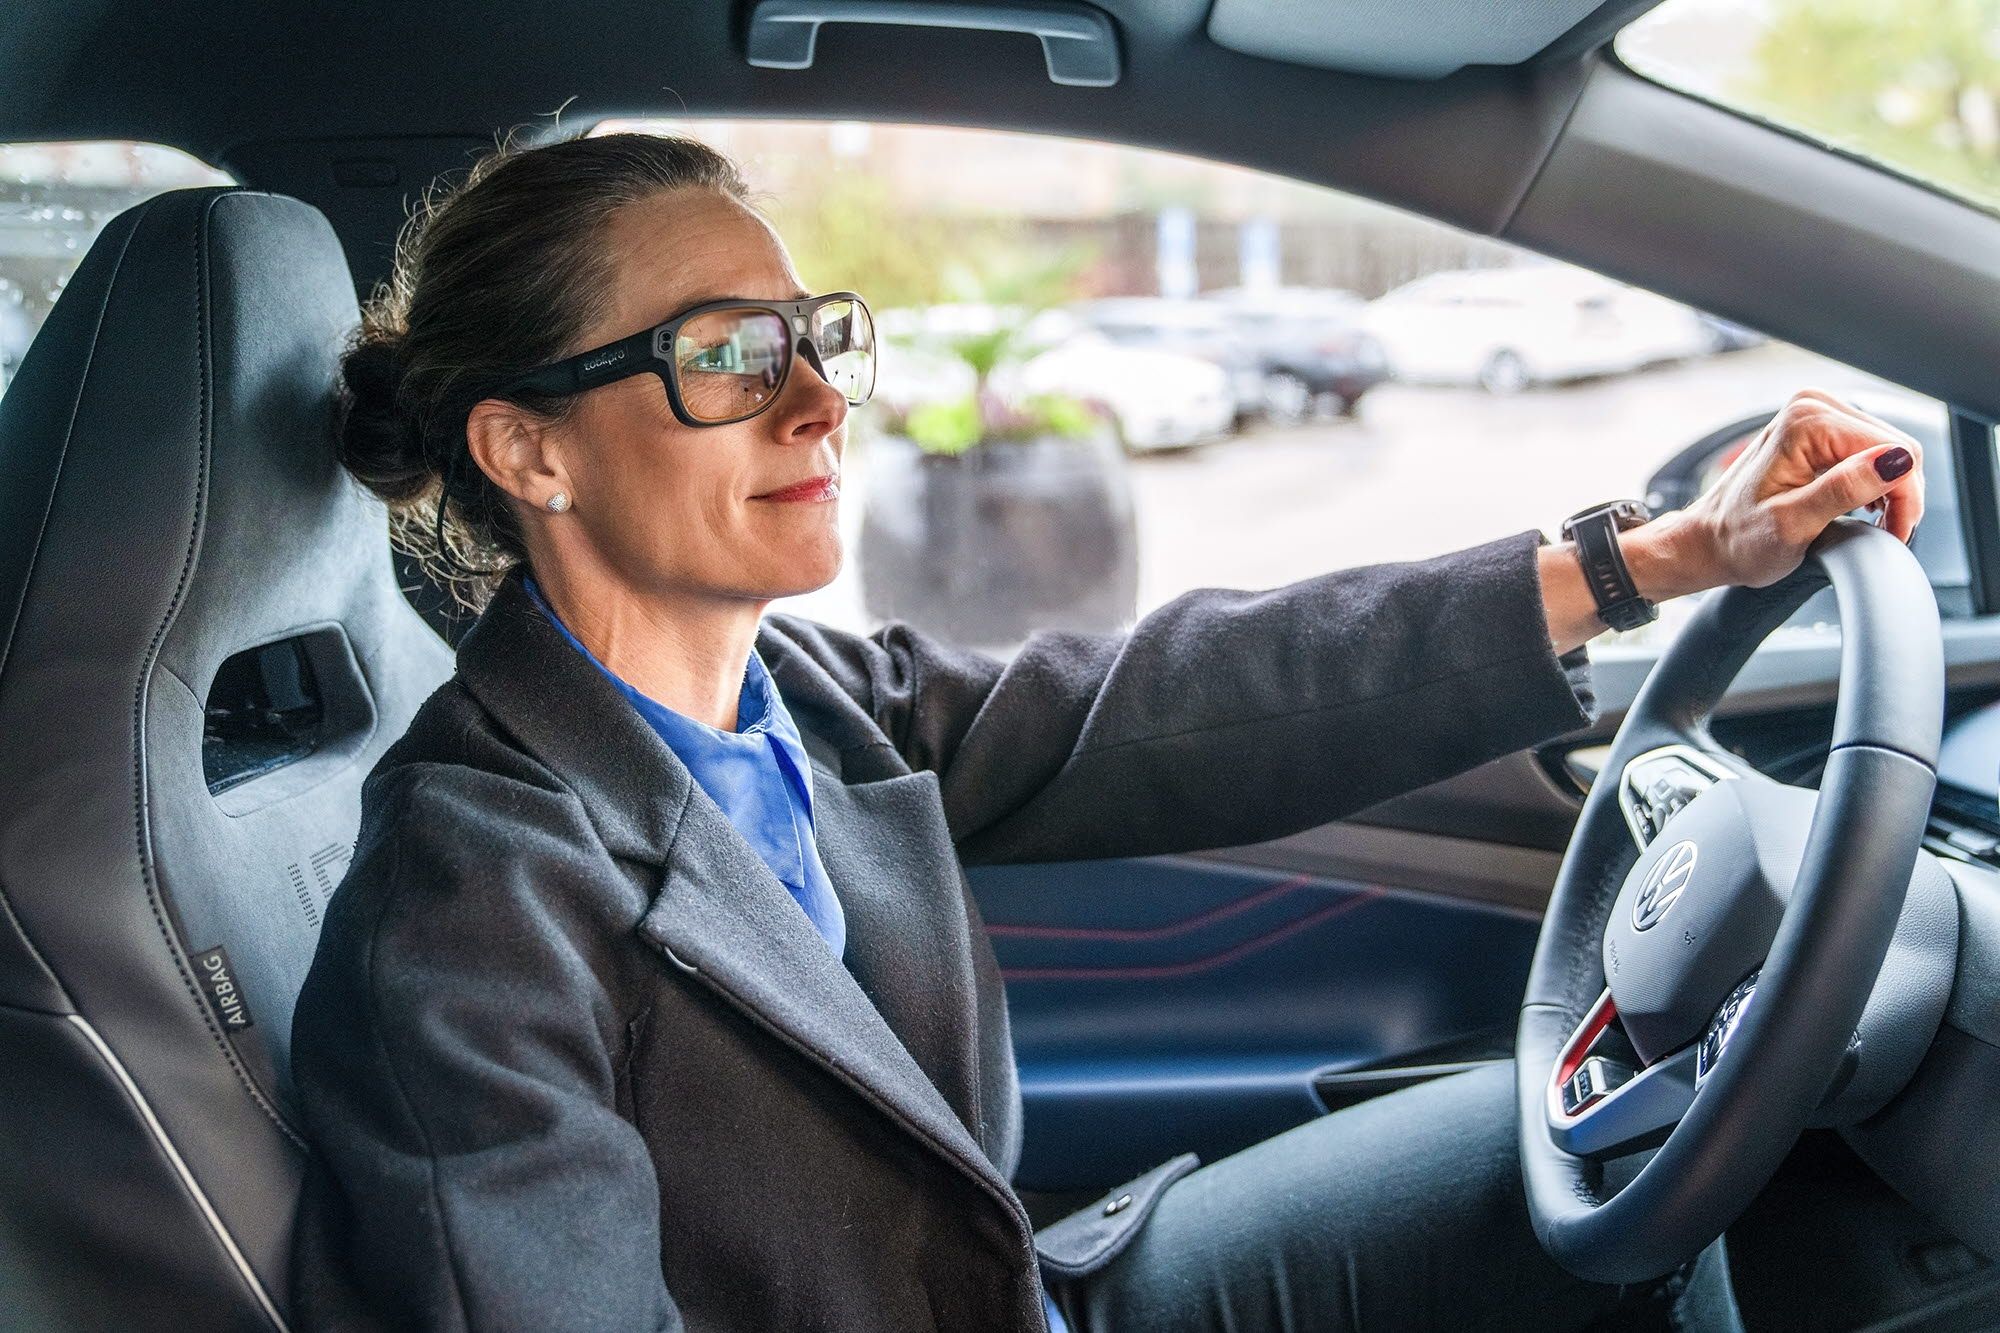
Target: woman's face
[685, 510]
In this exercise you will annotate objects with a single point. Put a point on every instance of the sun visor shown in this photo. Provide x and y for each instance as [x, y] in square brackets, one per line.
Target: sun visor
[1393, 37]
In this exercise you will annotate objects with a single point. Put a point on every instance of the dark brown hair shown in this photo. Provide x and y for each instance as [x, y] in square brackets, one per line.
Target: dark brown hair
[491, 278]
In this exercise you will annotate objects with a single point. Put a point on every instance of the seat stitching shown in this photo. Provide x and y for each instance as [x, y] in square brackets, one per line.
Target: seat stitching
[147, 873]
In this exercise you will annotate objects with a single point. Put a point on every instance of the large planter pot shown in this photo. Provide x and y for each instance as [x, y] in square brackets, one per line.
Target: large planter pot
[984, 547]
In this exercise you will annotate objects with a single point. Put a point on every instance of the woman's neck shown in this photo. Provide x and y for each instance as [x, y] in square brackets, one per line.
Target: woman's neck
[685, 652]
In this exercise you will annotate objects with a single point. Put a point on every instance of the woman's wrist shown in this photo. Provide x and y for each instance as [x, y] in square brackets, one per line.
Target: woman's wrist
[1671, 556]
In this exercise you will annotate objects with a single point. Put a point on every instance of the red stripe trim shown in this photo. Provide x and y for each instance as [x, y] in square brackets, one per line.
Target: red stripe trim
[1167, 971]
[1575, 1051]
[1168, 931]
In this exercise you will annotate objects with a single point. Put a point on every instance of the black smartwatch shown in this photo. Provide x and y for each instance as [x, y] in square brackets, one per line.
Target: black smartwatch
[1595, 531]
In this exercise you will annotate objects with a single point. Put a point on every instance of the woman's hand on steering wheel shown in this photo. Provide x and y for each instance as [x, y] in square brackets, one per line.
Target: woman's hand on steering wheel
[1817, 459]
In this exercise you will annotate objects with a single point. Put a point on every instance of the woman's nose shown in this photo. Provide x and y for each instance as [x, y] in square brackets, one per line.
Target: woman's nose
[823, 402]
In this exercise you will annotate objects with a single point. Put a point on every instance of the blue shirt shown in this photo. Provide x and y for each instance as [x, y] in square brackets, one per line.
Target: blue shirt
[759, 776]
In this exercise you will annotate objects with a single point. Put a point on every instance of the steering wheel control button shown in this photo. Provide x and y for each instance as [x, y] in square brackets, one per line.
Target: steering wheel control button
[1723, 1026]
[1595, 1080]
[1661, 783]
[1600, 1104]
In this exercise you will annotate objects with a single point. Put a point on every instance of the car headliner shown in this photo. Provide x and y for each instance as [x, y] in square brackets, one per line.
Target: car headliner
[355, 108]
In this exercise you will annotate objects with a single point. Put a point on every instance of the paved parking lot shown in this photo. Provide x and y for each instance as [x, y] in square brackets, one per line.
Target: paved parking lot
[1426, 470]
[1420, 471]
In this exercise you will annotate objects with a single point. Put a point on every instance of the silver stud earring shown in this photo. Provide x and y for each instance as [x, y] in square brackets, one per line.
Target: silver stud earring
[558, 502]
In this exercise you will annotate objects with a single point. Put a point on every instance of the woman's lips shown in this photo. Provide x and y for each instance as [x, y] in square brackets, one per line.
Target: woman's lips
[813, 488]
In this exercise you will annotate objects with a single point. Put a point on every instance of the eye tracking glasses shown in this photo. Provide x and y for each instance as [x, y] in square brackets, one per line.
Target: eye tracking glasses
[725, 361]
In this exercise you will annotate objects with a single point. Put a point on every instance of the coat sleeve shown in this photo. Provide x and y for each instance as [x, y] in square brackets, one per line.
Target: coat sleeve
[454, 1054]
[1225, 717]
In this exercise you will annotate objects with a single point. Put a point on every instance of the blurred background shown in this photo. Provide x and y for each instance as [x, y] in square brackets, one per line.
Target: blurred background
[1108, 375]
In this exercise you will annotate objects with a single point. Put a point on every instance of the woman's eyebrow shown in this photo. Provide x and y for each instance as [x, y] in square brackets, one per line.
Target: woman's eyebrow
[798, 295]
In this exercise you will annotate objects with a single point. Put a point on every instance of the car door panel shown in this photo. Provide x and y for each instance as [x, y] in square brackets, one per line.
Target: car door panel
[1182, 1003]
[1203, 1002]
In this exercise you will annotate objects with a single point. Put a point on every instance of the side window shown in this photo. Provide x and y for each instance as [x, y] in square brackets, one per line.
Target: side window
[1111, 375]
[54, 199]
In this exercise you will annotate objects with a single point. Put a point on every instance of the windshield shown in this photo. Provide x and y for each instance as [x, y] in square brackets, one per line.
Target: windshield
[1913, 84]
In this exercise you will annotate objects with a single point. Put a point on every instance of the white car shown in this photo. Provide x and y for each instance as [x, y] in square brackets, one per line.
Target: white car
[1188, 328]
[1161, 400]
[1505, 329]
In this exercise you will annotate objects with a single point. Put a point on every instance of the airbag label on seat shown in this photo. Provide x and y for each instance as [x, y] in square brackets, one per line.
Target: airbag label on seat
[218, 978]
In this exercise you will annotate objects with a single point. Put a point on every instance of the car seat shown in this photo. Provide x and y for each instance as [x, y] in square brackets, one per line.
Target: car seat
[203, 650]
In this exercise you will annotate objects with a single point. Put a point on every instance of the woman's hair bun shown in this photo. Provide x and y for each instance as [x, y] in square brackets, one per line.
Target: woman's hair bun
[380, 441]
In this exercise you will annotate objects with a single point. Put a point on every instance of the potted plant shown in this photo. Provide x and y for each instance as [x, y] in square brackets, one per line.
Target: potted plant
[992, 514]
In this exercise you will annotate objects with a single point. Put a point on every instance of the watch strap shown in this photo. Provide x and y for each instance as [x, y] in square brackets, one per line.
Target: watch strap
[1619, 604]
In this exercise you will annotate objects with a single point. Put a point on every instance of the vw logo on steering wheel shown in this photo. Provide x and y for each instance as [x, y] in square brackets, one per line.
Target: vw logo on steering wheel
[1664, 883]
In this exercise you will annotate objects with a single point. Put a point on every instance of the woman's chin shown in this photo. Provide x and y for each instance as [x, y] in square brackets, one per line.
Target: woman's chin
[811, 572]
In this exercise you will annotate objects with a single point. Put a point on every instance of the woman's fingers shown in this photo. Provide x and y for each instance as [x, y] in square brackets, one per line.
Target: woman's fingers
[1879, 472]
[1885, 430]
[1853, 460]
[1905, 509]
[1902, 507]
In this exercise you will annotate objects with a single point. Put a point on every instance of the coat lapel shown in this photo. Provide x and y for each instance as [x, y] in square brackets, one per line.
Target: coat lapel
[910, 946]
[721, 914]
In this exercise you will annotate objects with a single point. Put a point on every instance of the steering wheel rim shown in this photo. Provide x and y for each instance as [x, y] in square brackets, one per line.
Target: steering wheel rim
[1723, 1145]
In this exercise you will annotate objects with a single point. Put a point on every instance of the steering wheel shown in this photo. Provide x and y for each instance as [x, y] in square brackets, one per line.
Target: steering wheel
[1702, 986]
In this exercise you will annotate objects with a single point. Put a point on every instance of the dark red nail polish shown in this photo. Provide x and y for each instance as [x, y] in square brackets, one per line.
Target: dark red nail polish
[1893, 464]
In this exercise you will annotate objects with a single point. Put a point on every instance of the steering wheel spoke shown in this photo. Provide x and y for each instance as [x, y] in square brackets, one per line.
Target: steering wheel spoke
[1603, 1102]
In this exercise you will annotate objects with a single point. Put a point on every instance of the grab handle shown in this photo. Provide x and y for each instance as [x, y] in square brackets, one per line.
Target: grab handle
[1077, 40]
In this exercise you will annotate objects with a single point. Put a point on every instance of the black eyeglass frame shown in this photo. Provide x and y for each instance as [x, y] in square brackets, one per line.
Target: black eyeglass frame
[652, 351]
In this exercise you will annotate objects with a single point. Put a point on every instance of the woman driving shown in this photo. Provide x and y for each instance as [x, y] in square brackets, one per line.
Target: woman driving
[654, 997]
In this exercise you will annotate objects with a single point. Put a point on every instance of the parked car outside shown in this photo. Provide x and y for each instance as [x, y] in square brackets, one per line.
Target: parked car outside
[1313, 350]
[946, 320]
[1507, 329]
[1159, 399]
[1190, 328]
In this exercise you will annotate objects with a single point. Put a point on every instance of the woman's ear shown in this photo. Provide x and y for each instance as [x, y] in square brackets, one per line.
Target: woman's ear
[517, 450]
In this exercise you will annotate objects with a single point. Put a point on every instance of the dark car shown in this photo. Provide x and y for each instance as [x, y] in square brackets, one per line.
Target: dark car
[1315, 354]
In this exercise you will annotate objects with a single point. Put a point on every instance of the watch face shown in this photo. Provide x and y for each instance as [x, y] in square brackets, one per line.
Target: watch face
[1624, 513]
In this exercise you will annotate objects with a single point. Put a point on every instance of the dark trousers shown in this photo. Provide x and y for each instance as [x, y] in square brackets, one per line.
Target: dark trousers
[1404, 1212]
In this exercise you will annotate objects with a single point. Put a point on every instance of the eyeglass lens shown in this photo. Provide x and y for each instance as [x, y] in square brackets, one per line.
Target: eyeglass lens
[730, 363]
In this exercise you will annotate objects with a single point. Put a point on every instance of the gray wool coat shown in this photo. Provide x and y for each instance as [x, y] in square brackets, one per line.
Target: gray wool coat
[574, 1059]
